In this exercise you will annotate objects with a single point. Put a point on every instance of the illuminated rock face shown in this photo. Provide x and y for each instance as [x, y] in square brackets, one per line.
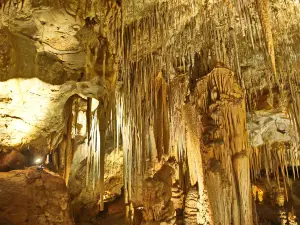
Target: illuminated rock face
[32, 71]
[266, 127]
[35, 109]
[33, 197]
[43, 62]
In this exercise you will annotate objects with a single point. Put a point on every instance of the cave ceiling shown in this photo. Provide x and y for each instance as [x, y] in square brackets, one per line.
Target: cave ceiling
[52, 50]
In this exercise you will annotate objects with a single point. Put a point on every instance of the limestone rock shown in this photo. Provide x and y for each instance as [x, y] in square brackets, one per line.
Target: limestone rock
[42, 61]
[11, 161]
[51, 51]
[269, 127]
[191, 209]
[34, 197]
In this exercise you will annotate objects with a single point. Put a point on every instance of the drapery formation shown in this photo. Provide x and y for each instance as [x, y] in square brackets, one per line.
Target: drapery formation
[211, 140]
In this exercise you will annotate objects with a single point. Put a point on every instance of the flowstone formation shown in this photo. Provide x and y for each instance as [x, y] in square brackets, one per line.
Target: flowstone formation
[189, 109]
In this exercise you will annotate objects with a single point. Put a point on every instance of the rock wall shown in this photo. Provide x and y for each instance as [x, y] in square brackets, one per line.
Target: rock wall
[34, 197]
[11, 161]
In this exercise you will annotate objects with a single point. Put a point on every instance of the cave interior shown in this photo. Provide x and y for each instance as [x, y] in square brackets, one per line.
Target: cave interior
[149, 112]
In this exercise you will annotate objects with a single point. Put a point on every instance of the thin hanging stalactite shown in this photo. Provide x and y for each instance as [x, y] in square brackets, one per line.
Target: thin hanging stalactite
[68, 139]
[264, 14]
[88, 118]
[102, 120]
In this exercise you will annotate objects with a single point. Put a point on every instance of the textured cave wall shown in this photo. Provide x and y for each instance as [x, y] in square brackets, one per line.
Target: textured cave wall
[45, 59]
[34, 197]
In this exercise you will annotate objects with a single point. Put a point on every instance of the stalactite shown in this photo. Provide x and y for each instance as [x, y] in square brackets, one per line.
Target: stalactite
[2, 4]
[147, 109]
[88, 118]
[51, 142]
[274, 159]
[157, 121]
[9, 4]
[68, 138]
[62, 157]
[263, 10]
[103, 66]
[96, 152]
[102, 118]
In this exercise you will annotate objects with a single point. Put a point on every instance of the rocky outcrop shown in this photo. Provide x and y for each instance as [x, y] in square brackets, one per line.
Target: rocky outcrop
[11, 161]
[33, 197]
[270, 127]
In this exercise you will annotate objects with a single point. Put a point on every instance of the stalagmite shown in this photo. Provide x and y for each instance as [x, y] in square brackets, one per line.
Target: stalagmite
[190, 211]
[220, 193]
[242, 171]
[225, 138]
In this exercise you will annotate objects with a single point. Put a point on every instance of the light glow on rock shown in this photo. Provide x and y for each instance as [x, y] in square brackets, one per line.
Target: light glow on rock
[26, 109]
[31, 108]
[38, 161]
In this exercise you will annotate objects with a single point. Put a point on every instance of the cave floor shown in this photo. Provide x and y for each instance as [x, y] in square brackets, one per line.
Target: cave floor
[115, 219]
[111, 219]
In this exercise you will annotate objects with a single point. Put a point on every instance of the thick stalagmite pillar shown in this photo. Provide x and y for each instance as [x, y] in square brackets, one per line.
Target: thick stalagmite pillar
[224, 147]
[220, 193]
[242, 173]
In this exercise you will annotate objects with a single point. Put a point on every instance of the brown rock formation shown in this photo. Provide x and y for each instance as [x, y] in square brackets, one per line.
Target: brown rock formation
[33, 197]
[11, 161]
[157, 194]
